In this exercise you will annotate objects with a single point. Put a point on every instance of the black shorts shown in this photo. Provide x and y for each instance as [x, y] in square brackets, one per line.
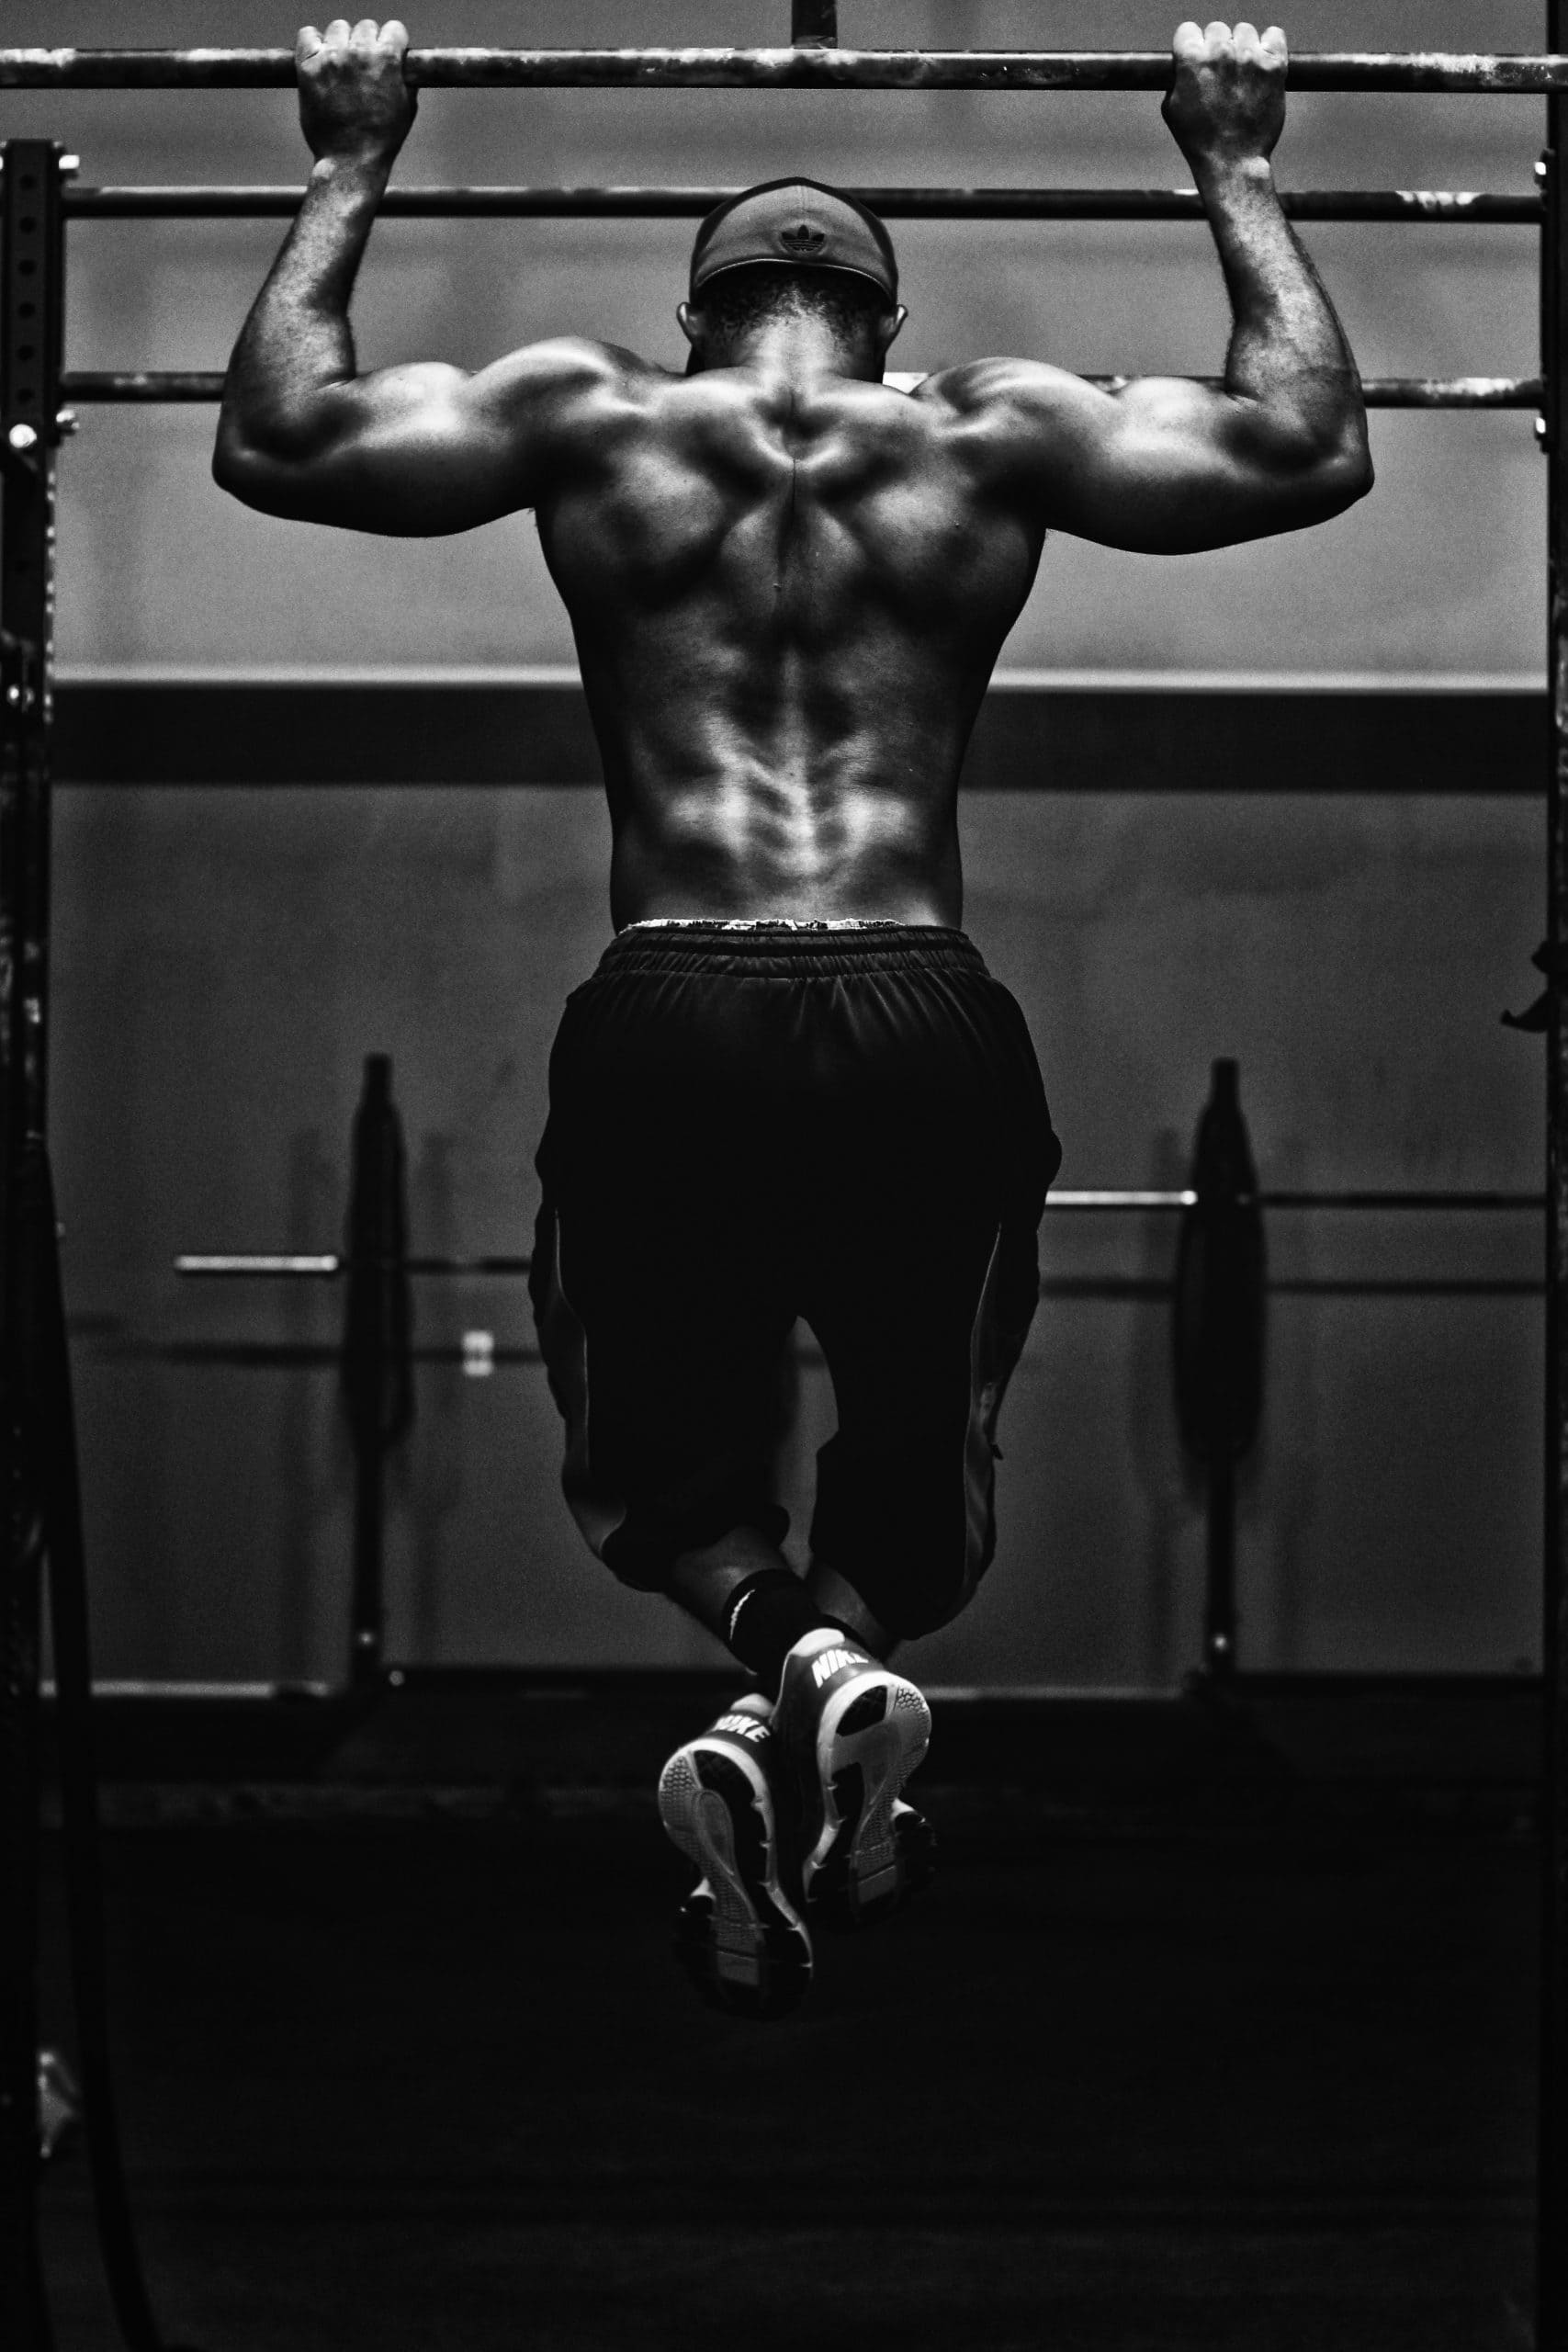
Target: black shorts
[752, 1125]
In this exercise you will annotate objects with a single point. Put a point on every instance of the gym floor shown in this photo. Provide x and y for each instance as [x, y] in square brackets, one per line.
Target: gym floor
[1214, 2031]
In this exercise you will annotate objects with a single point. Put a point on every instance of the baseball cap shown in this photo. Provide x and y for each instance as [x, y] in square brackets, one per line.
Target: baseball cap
[797, 224]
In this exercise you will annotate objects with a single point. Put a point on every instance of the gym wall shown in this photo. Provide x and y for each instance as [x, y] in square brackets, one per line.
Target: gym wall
[230, 947]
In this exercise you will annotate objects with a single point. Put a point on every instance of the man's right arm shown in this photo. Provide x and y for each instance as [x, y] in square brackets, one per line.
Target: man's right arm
[1171, 467]
[410, 451]
[416, 451]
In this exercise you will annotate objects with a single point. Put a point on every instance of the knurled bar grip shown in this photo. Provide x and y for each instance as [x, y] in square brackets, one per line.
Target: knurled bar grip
[196, 203]
[792, 69]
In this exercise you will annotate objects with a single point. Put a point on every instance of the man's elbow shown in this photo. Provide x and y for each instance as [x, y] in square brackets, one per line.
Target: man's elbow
[274, 464]
[238, 467]
[1356, 472]
[227, 467]
[1343, 476]
[264, 484]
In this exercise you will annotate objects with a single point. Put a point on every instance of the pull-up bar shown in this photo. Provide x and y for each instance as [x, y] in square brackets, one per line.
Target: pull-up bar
[805, 68]
[1437, 206]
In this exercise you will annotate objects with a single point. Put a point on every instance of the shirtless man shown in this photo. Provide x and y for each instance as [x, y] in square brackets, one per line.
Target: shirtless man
[791, 1087]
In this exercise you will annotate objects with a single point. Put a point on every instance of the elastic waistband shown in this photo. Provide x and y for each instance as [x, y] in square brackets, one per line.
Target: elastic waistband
[766, 950]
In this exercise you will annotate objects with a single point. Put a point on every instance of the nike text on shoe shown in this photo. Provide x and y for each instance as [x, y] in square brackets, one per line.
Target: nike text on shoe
[852, 1733]
[740, 1938]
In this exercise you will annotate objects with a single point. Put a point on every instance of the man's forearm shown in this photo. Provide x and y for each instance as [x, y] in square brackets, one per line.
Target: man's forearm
[1287, 350]
[297, 340]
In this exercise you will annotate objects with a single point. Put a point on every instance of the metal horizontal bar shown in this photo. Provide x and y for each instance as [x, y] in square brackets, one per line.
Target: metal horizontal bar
[1484, 1202]
[1118, 1200]
[1453, 392]
[246, 1695]
[302, 1355]
[316, 1266]
[806, 68]
[305, 1266]
[1415, 1287]
[1436, 204]
[319, 1266]
[1408, 391]
[298, 1267]
[122, 387]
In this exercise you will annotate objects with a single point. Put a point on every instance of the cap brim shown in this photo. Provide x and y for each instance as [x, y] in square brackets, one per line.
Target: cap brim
[778, 261]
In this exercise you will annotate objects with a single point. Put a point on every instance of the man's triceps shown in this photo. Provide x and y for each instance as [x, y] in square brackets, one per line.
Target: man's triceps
[384, 452]
[419, 451]
[1073, 455]
[1164, 466]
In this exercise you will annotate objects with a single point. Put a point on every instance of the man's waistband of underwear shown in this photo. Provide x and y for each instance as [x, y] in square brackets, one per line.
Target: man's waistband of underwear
[771, 922]
[777, 946]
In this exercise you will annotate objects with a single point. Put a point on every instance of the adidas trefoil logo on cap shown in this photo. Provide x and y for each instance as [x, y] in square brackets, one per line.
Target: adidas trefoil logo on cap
[803, 239]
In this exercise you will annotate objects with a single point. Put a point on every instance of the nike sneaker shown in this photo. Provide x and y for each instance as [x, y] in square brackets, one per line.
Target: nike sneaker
[740, 1938]
[851, 1732]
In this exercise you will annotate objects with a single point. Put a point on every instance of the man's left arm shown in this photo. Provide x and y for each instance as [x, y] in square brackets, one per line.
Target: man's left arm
[1168, 467]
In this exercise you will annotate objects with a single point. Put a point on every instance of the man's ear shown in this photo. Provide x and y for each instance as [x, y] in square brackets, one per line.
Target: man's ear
[891, 326]
[689, 326]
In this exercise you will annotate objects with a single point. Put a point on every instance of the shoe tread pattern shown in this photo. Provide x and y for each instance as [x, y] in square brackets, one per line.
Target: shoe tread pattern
[737, 1937]
[873, 1851]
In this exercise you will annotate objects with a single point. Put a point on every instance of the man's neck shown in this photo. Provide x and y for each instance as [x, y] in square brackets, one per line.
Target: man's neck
[802, 350]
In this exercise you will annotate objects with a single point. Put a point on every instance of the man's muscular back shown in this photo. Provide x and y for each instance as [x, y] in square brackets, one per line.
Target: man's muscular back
[788, 582]
[788, 588]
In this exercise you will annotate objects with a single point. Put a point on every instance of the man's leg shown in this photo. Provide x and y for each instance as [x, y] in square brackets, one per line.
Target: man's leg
[922, 1278]
[833, 1593]
[663, 1352]
[929, 1151]
[664, 1282]
[907, 1485]
[668, 1405]
[742, 1588]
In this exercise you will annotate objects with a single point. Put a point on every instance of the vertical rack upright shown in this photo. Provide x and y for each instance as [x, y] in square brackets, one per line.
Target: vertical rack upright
[32, 311]
[1552, 2305]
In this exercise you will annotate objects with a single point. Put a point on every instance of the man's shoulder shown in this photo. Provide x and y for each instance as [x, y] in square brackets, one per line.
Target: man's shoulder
[569, 363]
[566, 399]
[975, 387]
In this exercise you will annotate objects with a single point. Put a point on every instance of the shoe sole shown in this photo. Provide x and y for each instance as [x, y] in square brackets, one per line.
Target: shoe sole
[871, 1852]
[739, 1938]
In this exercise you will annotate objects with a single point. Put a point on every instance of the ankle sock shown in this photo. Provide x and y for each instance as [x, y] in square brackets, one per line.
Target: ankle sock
[763, 1620]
